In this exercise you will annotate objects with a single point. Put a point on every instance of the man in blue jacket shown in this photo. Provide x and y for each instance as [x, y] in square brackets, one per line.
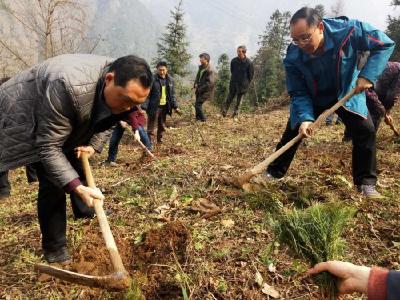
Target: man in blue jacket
[323, 63]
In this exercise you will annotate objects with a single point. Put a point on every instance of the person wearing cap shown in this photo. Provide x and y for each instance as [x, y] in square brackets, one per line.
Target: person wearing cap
[203, 85]
[242, 72]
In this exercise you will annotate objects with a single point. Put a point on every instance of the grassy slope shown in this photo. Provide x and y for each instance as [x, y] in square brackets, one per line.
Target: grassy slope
[221, 262]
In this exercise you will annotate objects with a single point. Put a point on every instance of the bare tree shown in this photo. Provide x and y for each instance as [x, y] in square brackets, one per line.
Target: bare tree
[337, 9]
[39, 29]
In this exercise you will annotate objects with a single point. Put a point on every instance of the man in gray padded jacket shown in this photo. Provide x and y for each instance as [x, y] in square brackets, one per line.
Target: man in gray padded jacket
[53, 112]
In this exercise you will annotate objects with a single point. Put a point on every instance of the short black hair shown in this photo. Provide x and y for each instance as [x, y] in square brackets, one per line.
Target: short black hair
[131, 67]
[312, 16]
[206, 56]
[243, 47]
[161, 64]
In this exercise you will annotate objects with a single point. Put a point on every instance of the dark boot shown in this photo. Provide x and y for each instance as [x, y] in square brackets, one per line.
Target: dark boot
[60, 255]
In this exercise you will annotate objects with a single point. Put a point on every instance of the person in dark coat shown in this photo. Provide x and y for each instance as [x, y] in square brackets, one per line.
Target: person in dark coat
[53, 112]
[382, 97]
[161, 102]
[5, 186]
[377, 283]
[203, 85]
[242, 72]
[385, 94]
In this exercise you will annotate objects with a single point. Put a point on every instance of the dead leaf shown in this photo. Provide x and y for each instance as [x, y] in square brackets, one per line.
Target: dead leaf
[396, 244]
[259, 280]
[271, 268]
[161, 210]
[205, 206]
[174, 194]
[44, 277]
[228, 223]
[226, 167]
[270, 291]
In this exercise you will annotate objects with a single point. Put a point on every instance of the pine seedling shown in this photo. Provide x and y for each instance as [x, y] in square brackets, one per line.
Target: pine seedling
[316, 235]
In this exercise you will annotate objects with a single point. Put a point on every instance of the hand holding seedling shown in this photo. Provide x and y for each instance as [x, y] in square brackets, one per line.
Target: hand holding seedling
[351, 278]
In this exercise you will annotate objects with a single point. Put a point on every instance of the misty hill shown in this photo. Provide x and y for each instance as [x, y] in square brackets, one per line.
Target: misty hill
[125, 27]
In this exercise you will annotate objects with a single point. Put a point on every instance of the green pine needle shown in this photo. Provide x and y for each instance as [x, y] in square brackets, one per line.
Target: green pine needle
[315, 234]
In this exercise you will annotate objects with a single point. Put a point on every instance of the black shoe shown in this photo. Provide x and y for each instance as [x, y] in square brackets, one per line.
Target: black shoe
[58, 256]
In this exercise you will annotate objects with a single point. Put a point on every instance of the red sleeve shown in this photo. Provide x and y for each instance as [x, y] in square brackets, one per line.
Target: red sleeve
[133, 117]
[377, 284]
[70, 186]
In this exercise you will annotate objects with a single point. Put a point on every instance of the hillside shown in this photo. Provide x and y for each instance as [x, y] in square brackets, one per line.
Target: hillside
[216, 257]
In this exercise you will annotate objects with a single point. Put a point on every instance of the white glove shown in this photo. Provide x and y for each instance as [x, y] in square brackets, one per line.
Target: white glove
[136, 136]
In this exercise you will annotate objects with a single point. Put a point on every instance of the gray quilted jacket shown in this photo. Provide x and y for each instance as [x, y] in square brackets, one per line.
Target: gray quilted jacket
[46, 111]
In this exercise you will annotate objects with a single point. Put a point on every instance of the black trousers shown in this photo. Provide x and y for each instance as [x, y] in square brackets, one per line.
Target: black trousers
[52, 207]
[157, 121]
[234, 90]
[198, 106]
[5, 186]
[362, 133]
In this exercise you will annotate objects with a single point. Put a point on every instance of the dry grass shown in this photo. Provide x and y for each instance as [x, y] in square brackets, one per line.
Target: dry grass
[220, 261]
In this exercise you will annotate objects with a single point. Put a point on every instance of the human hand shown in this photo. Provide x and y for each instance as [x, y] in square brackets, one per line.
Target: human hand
[136, 135]
[362, 84]
[351, 278]
[88, 195]
[88, 150]
[178, 111]
[306, 129]
[123, 124]
[388, 119]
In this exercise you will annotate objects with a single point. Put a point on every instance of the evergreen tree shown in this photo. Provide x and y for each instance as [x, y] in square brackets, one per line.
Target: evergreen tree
[269, 70]
[393, 31]
[173, 46]
[223, 77]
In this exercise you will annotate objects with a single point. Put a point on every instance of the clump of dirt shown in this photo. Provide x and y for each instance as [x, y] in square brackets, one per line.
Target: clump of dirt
[93, 257]
[158, 257]
[161, 244]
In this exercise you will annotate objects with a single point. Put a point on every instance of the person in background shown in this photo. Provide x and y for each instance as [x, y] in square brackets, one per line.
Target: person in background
[161, 102]
[5, 186]
[242, 73]
[137, 121]
[203, 85]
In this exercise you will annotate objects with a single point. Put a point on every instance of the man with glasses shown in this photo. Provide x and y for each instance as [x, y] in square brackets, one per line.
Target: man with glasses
[242, 72]
[327, 58]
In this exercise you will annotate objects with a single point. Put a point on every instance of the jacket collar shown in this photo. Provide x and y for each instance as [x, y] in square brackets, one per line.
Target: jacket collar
[328, 45]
